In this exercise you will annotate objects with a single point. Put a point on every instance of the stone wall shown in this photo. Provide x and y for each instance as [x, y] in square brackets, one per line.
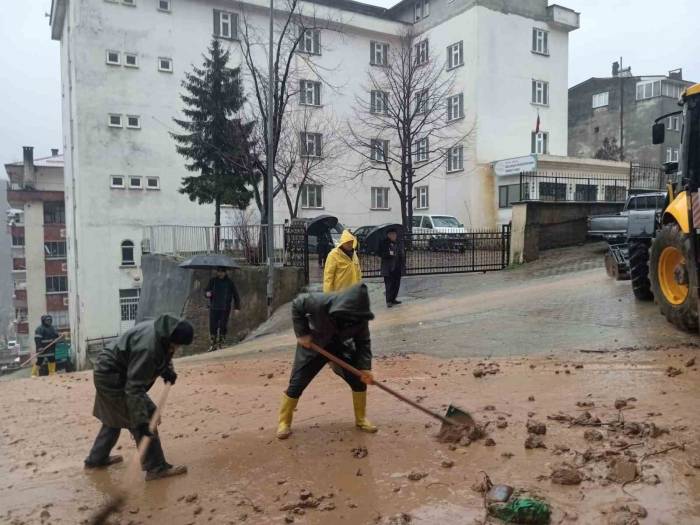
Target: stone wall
[168, 288]
[545, 225]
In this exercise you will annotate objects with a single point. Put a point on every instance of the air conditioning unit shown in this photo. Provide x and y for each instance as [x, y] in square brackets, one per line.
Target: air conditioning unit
[65, 301]
[62, 233]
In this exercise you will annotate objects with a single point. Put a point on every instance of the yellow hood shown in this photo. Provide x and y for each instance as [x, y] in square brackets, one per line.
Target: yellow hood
[347, 236]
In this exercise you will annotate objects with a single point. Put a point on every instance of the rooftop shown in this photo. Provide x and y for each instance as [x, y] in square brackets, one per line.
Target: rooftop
[55, 161]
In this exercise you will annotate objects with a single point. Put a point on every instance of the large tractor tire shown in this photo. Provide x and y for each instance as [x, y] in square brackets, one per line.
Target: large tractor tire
[639, 270]
[674, 287]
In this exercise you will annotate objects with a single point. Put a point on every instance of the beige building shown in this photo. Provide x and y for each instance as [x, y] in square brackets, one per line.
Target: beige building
[38, 229]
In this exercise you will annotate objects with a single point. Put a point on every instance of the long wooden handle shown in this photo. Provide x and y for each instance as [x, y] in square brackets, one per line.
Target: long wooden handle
[152, 426]
[40, 352]
[382, 386]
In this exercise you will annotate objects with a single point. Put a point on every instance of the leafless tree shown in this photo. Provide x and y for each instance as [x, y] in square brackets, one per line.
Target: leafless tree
[297, 46]
[404, 126]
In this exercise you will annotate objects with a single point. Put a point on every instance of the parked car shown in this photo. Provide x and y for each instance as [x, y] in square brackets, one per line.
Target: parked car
[439, 233]
[361, 234]
[613, 228]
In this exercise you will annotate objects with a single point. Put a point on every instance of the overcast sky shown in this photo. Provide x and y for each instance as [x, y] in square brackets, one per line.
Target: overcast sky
[651, 36]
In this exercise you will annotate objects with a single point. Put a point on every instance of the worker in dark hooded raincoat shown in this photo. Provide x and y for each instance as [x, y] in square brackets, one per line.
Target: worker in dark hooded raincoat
[338, 322]
[124, 372]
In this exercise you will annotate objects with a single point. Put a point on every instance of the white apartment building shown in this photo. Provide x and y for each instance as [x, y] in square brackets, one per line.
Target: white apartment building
[123, 62]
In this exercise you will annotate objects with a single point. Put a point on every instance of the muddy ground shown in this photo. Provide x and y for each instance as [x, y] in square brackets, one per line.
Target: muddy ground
[221, 417]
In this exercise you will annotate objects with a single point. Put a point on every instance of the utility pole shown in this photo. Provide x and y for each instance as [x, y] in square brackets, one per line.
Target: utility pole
[270, 166]
[622, 112]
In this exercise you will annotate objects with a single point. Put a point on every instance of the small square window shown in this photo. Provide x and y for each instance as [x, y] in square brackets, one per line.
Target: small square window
[164, 5]
[131, 60]
[133, 121]
[114, 58]
[152, 183]
[135, 183]
[115, 121]
[129, 2]
[116, 181]
[165, 64]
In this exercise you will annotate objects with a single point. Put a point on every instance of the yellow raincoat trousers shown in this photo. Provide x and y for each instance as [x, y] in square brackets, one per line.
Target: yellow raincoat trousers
[341, 271]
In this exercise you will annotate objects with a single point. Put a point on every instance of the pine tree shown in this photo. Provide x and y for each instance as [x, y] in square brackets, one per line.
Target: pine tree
[216, 142]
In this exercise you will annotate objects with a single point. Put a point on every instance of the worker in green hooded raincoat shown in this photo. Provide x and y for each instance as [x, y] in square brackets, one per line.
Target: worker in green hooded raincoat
[124, 372]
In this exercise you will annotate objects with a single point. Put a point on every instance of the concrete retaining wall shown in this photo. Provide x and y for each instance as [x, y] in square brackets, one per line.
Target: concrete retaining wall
[168, 288]
[545, 225]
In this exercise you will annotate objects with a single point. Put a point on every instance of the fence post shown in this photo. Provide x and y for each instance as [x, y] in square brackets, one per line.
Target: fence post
[556, 187]
[521, 189]
[306, 255]
[174, 236]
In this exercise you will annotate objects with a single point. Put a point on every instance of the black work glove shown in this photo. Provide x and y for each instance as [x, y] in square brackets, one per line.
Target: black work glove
[144, 430]
[169, 376]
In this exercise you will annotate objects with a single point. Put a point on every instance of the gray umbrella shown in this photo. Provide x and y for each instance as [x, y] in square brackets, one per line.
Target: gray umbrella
[208, 262]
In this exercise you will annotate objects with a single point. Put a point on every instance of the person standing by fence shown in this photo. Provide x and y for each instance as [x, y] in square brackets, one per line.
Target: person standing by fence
[342, 268]
[221, 292]
[392, 266]
[45, 337]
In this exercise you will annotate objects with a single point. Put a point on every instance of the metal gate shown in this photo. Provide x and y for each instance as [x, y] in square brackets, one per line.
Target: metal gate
[296, 247]
[439, 253]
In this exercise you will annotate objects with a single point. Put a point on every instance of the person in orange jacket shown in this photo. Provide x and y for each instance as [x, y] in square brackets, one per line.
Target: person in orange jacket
[342, 268]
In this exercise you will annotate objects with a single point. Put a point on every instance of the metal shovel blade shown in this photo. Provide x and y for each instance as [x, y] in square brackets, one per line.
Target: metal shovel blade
[462, 425]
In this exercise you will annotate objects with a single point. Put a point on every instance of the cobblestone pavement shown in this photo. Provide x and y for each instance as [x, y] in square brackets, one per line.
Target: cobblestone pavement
[562, 302]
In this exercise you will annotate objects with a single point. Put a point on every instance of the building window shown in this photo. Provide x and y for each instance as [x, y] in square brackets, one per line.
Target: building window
[21, 315]
[128, 253]
[378, 53]
[421, 52]
[616, 193]
[539, 142]
[55, 249]
[116, 181]
[379, 102]
[421, 147]
[133, 121]
[131, 60]
[586, 193]
[455, 159]
[455, 55]
[310, 93]
[421, 99]
[225, 24]
[455, 107]
[671, 154]
[165, 64]
[669, 89]
[674, 123]
[113, 58]
[311, 196]
[379, 149]
[648, 89]
[60, 318]
[114, 121]
[508, 194]
[380, 198]
[164, 5]
[310, 144]
[421, 9]
[56, 284]
[17, 240]
[310, 41]
[135, 182]
[129, 303]
[600, 100]
[129, 2]
[540, 42]
[422, 197]
[54, 213]
[540, 92]
[152, 183]
[552, 191]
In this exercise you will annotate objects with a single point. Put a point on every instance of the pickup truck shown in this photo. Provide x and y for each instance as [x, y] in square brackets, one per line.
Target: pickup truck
[613, 228]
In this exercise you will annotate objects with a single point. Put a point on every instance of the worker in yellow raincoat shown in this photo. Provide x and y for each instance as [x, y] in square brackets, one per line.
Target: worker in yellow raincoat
[342, 268]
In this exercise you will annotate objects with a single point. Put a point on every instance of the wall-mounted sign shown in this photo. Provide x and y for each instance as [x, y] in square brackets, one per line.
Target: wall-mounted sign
[515, 166]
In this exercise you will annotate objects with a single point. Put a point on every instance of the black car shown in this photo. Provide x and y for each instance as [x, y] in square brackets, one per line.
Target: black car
[361, 234]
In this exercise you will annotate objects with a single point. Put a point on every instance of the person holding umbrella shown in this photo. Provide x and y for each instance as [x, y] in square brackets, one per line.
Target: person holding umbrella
[221, 292]
[392, 266]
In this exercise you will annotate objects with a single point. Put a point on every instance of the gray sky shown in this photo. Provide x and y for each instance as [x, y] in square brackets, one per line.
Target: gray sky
[650, 38]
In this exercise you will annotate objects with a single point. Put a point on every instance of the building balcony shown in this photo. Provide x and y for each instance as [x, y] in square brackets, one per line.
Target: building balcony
[19, 264]
[563, 18]
[23, 328]
[20, 295]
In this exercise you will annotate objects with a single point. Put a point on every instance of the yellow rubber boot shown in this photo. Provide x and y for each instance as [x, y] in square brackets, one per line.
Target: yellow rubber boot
[359, 402]
[284, 428]
[35, 371]
[52, 368]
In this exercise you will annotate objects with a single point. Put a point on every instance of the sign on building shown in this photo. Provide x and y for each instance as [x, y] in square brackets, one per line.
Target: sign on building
[515, 166]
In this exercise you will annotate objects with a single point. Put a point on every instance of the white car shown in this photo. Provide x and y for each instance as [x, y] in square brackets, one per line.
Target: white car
[440, 232]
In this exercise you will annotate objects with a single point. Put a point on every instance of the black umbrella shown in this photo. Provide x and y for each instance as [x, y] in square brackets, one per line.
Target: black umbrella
[378, 234]
[207, 262]
[321, 224]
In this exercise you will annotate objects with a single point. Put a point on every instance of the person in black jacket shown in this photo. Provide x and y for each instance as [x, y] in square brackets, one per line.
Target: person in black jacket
[221, 292]
[392, 266]
[338, 322]
[45, 340]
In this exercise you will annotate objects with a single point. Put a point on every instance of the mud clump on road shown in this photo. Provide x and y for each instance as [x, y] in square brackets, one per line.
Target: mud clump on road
[566, 475]
[360, 452]
[463, 434]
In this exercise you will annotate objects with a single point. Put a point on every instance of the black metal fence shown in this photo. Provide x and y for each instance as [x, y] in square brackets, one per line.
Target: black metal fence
[437, 253]
[649, 177]
[565, 187]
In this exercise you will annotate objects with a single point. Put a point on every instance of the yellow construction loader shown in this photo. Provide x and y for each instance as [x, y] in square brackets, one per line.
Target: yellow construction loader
[674, 254]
